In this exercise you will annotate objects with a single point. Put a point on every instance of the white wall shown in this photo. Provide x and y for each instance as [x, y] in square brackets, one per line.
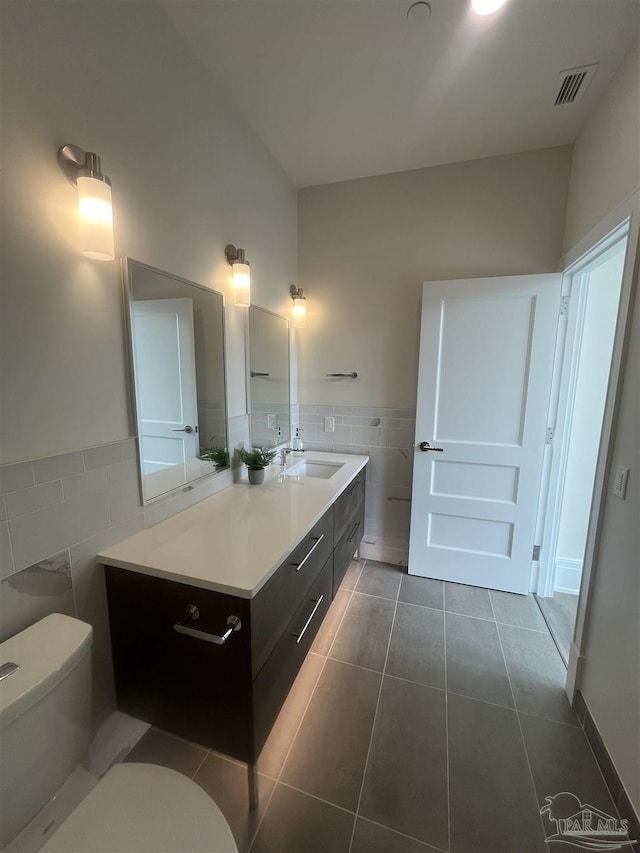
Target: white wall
[365, 248]
[188, 177]
[605, 165]
[606, 170]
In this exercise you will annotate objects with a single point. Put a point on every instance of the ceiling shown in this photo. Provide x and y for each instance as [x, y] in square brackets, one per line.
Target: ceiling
[338, 89]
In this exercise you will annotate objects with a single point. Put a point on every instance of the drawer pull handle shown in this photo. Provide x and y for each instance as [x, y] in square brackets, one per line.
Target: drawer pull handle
[318, 540]
[233, 623]
[353, 531]
[308, 622]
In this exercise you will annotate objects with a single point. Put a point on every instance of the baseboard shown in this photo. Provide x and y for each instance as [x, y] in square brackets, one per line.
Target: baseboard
[373, 549]
[568, 575]
[617, 790]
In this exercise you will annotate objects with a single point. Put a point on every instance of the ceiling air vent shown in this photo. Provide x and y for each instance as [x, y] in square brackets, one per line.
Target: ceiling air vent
[574, 83]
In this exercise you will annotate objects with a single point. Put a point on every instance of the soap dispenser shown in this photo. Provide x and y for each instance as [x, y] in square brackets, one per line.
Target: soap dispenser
[297, 441]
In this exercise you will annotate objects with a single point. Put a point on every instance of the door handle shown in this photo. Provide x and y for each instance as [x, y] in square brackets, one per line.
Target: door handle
[193, 614]
[308, 622]
[188, 429]
[318, 540]
[424, 445]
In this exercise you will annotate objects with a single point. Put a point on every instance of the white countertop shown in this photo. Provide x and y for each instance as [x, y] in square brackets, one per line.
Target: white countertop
[234, 541]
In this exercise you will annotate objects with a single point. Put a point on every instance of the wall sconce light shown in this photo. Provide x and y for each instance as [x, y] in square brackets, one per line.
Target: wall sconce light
[82, 168]
[299, 306]
[241, 275]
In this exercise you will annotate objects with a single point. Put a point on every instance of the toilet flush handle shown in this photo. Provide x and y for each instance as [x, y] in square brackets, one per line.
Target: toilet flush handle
[193, 614]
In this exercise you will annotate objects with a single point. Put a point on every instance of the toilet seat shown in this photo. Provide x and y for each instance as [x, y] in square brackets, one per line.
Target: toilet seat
[143, 808]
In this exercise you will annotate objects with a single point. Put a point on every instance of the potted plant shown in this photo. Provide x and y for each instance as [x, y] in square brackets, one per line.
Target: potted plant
[218, 455]
[256, 461]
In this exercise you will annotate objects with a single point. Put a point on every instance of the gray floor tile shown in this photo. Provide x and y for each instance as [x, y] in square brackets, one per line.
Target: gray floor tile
[493, 802]
[158, 747]
[284, 729]
[475, 664]
[537, 674]
[468, 600]
[352, 574]
[405, 786]
[426, 592]
[561, 761]
[380, 579]
[364, 635]
[330, 750]
[297, 823]
[520, 610]
[226, 784]
[373, 838]
[331, 623]
[416, 651]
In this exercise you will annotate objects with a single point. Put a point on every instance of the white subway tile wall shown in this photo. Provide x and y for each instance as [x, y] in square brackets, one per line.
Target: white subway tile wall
[56, 514]
[387, 437]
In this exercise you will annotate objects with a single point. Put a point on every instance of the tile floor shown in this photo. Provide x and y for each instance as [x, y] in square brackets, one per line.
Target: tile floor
[427, 716]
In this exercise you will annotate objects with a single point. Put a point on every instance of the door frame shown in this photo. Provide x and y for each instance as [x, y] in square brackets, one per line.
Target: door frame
[575, 288]
[578, 256]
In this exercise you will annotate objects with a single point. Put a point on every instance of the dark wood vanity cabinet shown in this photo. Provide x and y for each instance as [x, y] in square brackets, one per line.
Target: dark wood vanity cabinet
[227, 696]
[348, 527]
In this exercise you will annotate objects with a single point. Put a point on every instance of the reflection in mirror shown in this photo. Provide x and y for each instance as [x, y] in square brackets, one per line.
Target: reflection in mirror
[268, 378]
[177, 353]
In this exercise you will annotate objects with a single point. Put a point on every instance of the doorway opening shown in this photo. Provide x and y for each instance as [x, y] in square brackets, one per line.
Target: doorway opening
[585, 346]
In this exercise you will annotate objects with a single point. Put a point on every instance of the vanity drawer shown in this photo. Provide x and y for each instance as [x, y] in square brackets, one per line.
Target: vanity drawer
[275, 604]
[271, 687]
[346, 547]
[348, 504]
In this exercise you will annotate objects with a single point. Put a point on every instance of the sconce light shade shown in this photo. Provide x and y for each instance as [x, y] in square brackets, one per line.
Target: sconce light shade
[299, 306]
[241, 274]
[94, 201]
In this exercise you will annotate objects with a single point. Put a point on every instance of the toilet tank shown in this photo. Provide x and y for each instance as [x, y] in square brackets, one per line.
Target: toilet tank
[45, 716]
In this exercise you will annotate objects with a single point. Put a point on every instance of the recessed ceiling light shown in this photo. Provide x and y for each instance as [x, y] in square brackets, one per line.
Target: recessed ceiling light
[419, 13]
[486, 7]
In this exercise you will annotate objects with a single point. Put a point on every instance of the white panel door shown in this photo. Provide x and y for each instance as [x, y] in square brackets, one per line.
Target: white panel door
[166, 396]
[486, 359]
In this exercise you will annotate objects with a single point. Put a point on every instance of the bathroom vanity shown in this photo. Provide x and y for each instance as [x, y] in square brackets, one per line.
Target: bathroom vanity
[213, 611]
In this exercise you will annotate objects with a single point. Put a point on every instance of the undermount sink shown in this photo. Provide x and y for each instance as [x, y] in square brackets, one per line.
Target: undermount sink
[309, 468]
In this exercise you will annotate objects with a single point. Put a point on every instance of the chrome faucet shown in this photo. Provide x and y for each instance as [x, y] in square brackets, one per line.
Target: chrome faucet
[285, 451]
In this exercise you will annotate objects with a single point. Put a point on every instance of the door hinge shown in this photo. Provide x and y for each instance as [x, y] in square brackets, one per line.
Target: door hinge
[564, 305]
[549, 438]
[536, 552]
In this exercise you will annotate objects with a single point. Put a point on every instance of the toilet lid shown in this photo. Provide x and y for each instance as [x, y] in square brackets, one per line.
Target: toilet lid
[143, 808]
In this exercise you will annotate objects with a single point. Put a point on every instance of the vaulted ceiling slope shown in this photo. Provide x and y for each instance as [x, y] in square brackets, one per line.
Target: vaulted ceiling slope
[339, 89]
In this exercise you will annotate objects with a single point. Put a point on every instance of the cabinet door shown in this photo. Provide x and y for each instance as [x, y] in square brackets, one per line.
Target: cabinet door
[348, 505]
[183, 684]
[346, 548]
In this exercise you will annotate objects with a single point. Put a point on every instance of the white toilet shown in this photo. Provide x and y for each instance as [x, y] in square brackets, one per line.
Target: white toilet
[45, 715]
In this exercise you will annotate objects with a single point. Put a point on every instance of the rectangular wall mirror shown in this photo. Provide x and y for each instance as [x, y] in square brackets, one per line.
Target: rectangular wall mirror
[268, 380]
[176, 336]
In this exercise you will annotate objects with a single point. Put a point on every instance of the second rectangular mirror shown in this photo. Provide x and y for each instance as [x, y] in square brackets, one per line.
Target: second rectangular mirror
[268, 382]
